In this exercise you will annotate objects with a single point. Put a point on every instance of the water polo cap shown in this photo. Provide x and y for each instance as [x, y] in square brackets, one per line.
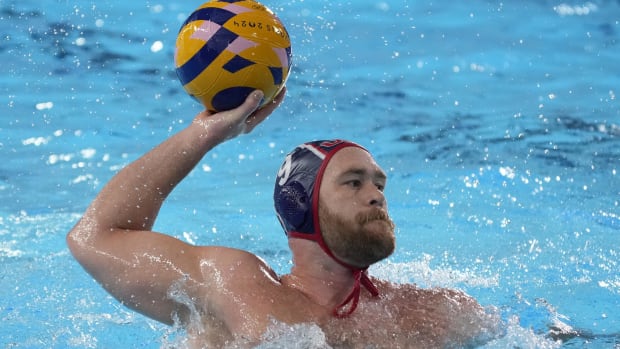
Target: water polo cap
[296, 199]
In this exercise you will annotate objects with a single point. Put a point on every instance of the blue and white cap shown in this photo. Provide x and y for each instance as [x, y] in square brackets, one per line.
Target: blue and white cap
[296, 194]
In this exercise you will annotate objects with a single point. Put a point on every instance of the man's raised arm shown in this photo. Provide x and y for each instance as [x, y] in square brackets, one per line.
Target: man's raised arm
[113, 241]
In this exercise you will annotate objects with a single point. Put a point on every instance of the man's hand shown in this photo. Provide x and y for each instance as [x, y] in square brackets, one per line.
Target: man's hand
[243, 119]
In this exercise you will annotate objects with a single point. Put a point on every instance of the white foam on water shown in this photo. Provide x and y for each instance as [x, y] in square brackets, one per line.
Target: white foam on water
[421, 273]
[300, 336]
[8, 250]
[310, 336]
[517, 336]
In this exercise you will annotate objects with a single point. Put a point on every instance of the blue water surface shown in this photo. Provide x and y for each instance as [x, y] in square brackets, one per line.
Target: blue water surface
[498, 124]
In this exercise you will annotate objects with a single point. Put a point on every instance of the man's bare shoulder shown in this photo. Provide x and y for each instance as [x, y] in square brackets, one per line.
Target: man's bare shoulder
[432, 315]
[412, 293]
[245, 296]
[215, 261]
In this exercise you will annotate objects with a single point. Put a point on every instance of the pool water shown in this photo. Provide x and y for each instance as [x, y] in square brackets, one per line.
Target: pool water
[498, 125]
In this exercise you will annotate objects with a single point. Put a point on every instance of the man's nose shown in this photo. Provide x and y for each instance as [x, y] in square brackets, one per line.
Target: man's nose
[375, 196]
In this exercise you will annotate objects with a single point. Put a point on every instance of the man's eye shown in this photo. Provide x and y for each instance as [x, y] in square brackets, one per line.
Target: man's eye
[381, 187]
[354, 183]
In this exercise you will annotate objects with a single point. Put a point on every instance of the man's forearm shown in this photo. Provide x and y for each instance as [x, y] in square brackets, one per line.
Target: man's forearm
[132, 199]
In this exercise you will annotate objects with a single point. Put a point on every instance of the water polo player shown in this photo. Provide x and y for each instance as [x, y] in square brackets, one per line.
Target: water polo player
[329, 199]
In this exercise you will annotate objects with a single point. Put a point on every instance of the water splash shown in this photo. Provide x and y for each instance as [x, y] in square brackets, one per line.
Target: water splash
[421, 272]
[177, 335]
[517, 336]
[300, 336]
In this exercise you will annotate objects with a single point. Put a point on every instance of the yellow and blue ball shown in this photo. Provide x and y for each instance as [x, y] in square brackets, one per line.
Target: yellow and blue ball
[228, 48]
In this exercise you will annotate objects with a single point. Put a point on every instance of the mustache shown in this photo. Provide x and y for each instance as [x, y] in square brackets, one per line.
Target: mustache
[375, 214]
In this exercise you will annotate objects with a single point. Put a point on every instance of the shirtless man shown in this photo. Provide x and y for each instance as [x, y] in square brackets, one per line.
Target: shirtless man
[329, 199]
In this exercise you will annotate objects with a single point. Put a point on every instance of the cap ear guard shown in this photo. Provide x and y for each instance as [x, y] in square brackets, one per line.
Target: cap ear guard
[292, 202]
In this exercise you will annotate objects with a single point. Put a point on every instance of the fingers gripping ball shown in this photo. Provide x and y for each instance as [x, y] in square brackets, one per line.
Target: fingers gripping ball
[228, 48]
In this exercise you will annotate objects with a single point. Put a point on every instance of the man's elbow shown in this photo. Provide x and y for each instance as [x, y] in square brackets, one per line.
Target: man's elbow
[80, 239]
[74, 243]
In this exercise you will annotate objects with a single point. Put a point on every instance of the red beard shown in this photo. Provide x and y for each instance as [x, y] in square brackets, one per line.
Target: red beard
[362, 241]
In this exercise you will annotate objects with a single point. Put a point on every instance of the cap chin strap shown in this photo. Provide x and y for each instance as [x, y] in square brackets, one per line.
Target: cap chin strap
[361, 278]
[359, 274]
